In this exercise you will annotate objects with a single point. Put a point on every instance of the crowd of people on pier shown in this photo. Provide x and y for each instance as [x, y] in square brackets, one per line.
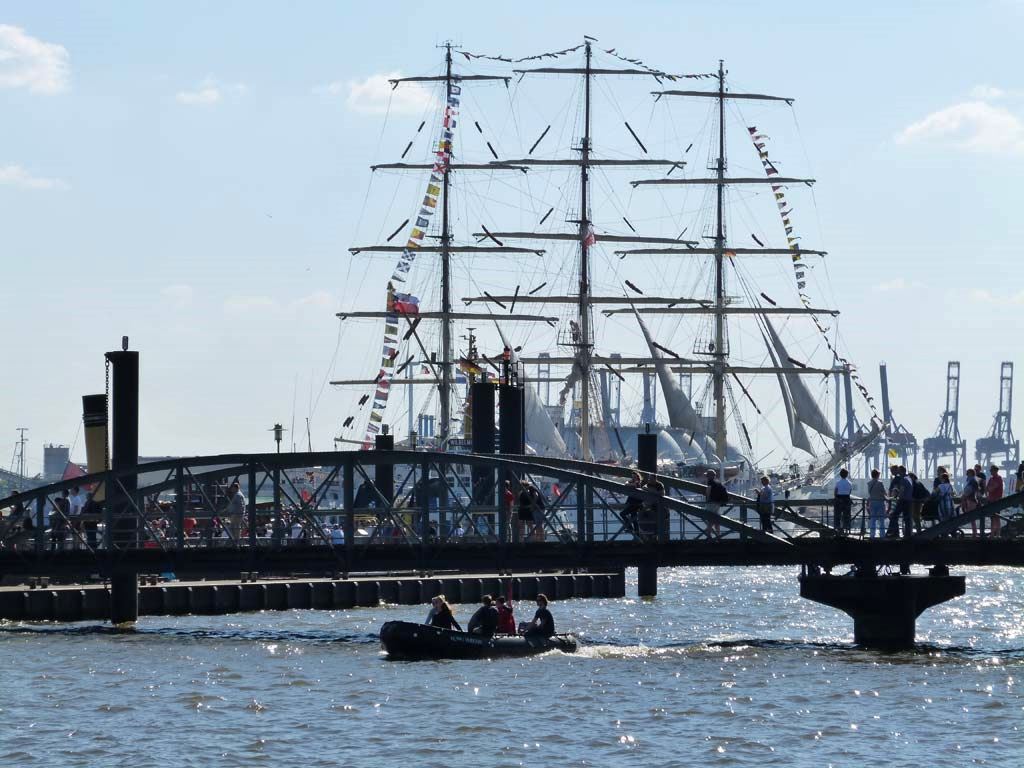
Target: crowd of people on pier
[901, 508]
[495, 616]
[909, 504]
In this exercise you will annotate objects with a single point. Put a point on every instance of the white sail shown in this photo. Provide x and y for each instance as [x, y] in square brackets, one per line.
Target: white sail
[681, 414]
[801, 402]
[797, 433]
[541, 432]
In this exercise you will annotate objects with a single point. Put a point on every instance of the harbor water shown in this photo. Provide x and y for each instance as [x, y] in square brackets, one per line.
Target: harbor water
[727, 666]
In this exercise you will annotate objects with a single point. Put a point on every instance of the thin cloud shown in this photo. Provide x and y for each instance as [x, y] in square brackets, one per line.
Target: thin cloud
[210, 91]
[982, 296]
[240, 305]
[28, 62]
[973, 126]
[987, 92]
[897, 284]
[374, 95]
[178, 296]
[16, 176]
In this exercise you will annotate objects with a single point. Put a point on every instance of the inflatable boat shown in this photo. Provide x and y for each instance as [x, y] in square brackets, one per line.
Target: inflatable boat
[405, 640]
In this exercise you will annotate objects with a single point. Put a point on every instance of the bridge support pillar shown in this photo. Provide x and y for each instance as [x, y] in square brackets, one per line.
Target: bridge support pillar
[647, 581]
[124, 597]
[884, 608]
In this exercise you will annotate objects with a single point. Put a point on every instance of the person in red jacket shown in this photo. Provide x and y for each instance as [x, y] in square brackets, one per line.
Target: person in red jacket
[506, 621]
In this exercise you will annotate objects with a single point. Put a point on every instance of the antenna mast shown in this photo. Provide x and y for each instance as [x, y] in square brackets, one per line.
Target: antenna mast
[21, 457]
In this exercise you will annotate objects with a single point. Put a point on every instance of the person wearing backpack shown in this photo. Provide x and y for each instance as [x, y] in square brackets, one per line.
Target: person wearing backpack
[902, 491]
[969, 500]
[919, 496]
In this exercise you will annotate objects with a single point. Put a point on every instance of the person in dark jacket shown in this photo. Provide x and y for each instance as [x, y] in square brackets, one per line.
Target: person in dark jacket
[525, 510]
[441, 614]
[543, 624]
[485, 620]
[634, 503]
[716, 496]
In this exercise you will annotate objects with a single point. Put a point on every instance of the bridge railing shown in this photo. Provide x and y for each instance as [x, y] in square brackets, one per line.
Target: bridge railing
[354, 500]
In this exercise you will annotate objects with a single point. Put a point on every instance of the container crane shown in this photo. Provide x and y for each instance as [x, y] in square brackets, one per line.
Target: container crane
[947, 441]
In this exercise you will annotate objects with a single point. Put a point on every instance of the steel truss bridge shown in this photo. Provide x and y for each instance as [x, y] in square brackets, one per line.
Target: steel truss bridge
[436, 512]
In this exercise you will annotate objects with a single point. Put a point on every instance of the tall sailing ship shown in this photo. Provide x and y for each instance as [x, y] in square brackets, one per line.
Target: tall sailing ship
[610, 270]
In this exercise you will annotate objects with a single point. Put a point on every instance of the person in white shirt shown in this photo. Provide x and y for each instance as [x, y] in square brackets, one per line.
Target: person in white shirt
[77, 504]
[77, 501]
[337, 536]
[235, 511]
[766, 504]
[843, 502]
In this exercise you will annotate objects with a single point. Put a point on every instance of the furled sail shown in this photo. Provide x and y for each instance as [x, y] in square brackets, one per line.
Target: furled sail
[681, 414]
[541, 433]
[797, 433]
[802, 403]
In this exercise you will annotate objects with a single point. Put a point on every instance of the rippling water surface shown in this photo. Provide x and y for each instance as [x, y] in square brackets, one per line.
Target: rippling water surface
[727, 666]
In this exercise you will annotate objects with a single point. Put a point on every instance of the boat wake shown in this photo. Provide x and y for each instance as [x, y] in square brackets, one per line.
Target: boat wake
[612, 649]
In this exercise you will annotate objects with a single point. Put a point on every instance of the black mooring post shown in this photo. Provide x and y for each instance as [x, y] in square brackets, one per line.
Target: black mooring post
[384, 474]
[511, 419]
[179, 507]
[647, 452]
[482, 436]
[124, 441]
[647, 462]
[511, 407]
[348, 500]
[124, 597]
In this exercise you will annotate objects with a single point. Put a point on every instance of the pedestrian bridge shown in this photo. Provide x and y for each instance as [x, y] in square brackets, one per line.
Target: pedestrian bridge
[389, 510]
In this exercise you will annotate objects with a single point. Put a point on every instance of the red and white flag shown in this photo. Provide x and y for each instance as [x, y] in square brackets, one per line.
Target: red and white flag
[591, 237]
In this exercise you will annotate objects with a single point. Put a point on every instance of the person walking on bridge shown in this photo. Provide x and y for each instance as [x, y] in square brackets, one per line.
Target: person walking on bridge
[843, 502]
[994, 492]
[969, 500]
[235, 511]
[766, 504]
[902, 491]
[716, 496]
[876, 505]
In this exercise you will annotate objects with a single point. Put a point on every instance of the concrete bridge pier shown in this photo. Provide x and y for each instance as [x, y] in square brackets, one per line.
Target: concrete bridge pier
[884, 608]
[124, 597]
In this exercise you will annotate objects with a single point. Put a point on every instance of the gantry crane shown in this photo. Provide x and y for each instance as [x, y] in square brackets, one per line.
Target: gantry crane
[898, 444]
[1000, 442]
[947, 442]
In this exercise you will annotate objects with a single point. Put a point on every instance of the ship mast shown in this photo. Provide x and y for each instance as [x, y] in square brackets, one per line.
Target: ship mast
[441, 370]
[582, 340]
[583, 354]
[720, 352]
[445, 389]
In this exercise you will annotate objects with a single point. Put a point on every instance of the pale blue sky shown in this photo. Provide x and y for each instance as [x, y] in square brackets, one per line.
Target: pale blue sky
[187, 174]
